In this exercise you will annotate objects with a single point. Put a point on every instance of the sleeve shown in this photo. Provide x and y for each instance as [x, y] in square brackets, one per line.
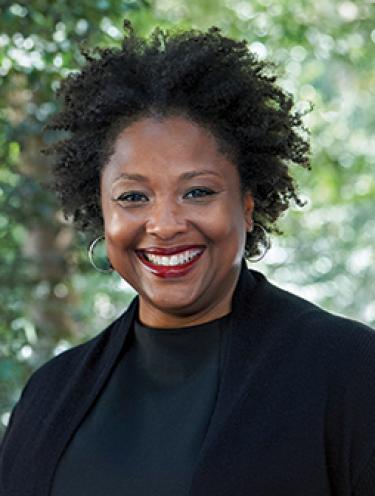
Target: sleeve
[365, 485]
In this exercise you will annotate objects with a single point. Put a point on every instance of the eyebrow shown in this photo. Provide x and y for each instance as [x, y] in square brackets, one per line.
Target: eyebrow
[184, 176]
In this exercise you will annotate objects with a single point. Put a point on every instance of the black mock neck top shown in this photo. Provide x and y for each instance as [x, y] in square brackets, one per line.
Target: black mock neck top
[144, 432]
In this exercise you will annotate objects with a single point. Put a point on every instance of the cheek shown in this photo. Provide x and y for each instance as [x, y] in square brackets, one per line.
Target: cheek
[119, 229]
[224, 224]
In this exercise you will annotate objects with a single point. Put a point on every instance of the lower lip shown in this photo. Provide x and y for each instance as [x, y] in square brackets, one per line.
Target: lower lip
[167, 272]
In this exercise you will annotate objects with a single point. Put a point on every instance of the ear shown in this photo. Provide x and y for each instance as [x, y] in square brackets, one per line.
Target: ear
[248, 206]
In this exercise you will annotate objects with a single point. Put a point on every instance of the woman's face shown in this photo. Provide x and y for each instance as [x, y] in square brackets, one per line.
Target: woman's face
[169, 196]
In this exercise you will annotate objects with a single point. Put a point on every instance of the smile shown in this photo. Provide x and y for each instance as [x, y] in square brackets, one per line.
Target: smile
[173, 260]
[174, 265]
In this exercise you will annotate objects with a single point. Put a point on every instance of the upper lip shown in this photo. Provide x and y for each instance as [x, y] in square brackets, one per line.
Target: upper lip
[158, 250]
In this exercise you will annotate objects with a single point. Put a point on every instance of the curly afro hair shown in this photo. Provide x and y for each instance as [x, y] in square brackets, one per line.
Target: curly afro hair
[214, 81]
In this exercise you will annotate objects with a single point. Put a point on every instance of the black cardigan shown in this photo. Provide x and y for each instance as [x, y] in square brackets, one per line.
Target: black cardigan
[295, 413]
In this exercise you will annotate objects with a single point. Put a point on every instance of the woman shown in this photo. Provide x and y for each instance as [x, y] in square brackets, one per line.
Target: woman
[214, 381]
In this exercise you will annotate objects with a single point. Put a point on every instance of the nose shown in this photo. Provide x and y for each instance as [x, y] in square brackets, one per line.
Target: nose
[166, 220]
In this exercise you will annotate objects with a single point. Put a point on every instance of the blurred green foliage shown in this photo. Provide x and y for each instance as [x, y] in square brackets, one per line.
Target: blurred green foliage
[50, 297]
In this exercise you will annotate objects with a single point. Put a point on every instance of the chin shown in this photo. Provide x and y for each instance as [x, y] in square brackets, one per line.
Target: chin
[175, 306]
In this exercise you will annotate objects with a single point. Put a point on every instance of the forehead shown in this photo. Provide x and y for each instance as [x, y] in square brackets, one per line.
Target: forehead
[169, 129]
[172, 142]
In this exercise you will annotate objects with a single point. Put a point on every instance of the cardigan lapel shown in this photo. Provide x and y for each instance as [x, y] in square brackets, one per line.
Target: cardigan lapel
[244, 340]
[91, 375]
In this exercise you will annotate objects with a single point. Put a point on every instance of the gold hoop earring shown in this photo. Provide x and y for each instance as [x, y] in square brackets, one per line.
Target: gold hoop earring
[266, 244]
[90, 253]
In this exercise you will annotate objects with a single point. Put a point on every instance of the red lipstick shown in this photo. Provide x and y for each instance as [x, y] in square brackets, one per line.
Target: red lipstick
[165, 271]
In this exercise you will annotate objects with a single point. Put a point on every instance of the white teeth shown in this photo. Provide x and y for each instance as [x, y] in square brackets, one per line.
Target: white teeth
[178, 259]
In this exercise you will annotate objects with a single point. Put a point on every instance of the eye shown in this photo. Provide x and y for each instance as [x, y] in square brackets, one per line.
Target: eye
[200, 192]
[131, 197]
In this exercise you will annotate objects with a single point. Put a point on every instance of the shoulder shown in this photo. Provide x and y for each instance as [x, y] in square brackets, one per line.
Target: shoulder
[68, 376]
[308, 330]
[334, 358]
[287, 308]
[79, 361]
